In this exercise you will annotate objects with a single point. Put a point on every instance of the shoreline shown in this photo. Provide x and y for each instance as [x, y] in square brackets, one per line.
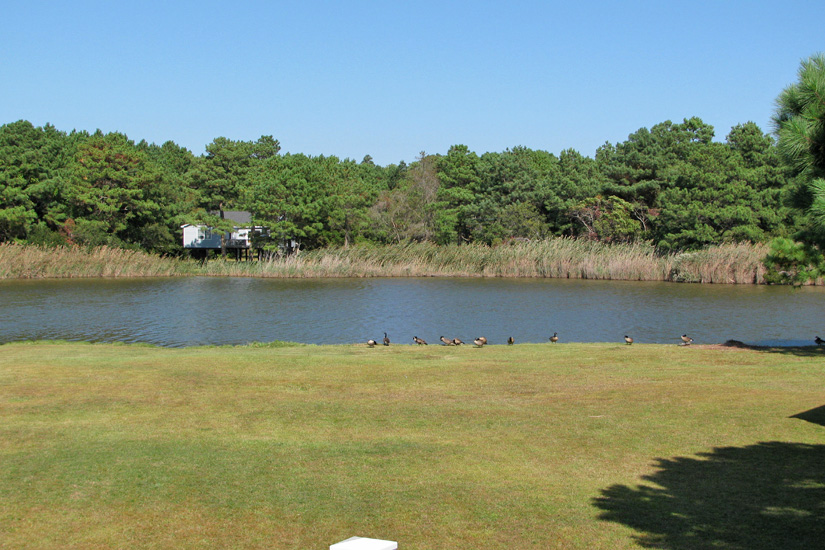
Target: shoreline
[728, 345]
[558, 258]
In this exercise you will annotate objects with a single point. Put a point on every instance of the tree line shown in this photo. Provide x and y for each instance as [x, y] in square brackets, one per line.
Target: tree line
[672, 185]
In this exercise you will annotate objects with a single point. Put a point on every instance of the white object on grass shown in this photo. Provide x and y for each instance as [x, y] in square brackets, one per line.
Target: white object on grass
[361, 543]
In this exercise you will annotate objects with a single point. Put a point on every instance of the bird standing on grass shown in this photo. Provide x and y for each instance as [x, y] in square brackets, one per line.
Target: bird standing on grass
[510, 341]
[419, 341]
[686, 340]
[554, 338]
[386, 339]
[371, 343]
[628, 339]
[459, 341]
[447, 342]
[819, 341]
[483, 340]
[480, 341]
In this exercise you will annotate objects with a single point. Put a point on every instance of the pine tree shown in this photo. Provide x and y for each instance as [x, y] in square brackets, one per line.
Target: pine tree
[800, 127]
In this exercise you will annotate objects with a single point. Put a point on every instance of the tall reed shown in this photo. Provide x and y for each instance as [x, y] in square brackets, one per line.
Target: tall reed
[726, 263]
[555, 258]
[34, 262]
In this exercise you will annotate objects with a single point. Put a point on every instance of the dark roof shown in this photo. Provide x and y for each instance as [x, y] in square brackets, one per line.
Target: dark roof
[239, 216]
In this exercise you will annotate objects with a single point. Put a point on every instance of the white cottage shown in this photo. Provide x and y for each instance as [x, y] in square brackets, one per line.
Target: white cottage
[203, 237]
[200, 236]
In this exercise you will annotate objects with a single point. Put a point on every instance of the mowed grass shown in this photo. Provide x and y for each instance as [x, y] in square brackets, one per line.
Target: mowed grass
[529, 446]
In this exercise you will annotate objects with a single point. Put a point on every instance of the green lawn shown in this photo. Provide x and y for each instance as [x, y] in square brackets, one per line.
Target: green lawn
[531, 446]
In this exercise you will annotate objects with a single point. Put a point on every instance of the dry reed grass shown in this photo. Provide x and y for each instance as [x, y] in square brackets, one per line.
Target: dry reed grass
[564, 258]
[738, 263]
[35, 262]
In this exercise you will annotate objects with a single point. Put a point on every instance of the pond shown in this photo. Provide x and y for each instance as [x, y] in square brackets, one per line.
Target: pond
[213, 311]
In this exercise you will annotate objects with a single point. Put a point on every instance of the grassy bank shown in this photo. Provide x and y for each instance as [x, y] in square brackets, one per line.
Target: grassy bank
[530, 446]
[556, 258]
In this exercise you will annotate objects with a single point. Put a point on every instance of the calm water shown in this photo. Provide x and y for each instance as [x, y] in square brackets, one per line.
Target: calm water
[196, 311]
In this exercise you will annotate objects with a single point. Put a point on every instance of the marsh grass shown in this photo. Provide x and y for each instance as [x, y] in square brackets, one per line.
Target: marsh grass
[36, 262]
[530, 446]
[556, 258]
[739, 263]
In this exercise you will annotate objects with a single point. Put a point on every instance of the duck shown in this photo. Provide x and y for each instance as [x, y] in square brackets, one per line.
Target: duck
[480, 341]
[819, 341]
[554, 338]
[511, 341]
[686, 340]
[628, 339]
[447, 342]
[371, 343]
[459, 341]
[419, 341]
[386, 339]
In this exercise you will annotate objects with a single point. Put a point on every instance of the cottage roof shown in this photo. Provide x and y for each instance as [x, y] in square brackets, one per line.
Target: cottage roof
[238, 216]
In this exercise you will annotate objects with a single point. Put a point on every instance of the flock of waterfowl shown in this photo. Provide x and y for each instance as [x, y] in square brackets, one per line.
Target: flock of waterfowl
[481, 341]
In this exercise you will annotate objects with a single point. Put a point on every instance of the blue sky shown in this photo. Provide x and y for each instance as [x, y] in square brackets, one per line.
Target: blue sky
[392, 79]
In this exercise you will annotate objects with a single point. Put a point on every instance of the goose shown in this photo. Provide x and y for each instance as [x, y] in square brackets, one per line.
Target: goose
[371, 343]
[447, 342]
[554, 338]
[819, 341]
[628, 339]
[510, 341]
[686, 340]
[419, 341]
[483, 339]
[386, 340]
[480, 341]
[459, 341]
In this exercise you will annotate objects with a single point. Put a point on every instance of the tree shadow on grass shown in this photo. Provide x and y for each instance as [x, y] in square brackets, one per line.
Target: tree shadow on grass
[765, 496]
[799, 351]
[815, 416]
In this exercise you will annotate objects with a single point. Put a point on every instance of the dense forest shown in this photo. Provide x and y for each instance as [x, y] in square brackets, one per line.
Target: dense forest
[671, 185]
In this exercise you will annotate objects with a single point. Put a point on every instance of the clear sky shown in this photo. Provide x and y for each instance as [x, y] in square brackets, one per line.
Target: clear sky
[392, 79]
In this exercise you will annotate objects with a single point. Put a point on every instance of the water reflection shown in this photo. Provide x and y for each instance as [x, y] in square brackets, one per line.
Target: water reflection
[196, 311]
